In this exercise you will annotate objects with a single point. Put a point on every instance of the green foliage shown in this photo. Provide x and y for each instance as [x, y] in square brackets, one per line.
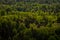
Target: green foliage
[52, 38]
[29, 20]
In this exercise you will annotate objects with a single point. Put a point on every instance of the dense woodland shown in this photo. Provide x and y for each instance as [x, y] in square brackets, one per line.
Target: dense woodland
[29, 19]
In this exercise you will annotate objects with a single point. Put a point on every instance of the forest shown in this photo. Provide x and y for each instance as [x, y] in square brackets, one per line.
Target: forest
[29, 19]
